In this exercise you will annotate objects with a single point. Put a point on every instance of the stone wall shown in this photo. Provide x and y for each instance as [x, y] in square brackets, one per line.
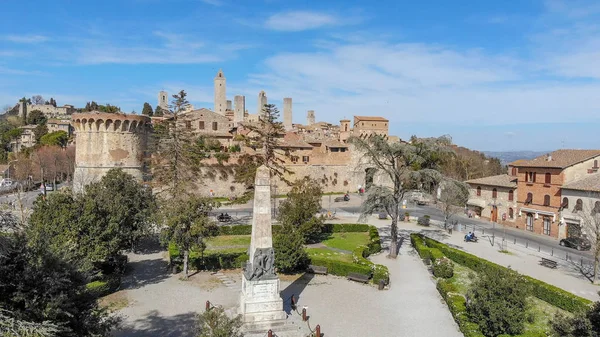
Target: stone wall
[105, 141]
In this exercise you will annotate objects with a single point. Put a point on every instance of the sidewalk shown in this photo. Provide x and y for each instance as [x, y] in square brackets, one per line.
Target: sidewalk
[520, 259]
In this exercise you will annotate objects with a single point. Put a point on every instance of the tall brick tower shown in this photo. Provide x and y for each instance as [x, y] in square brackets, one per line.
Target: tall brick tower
[287, 113]
[220, 93]
[262, 100]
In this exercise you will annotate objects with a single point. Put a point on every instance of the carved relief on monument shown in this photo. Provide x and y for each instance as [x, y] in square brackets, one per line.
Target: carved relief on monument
[262, 266]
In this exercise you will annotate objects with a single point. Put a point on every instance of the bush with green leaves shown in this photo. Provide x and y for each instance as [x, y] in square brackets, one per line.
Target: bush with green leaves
[457, 305]
[423, 220]
[497, 302]
[290, 255]
[216, 323]
[297, 212]
[443, 268]
[582, 324]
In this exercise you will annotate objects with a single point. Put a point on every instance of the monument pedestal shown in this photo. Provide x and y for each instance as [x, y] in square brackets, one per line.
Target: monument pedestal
[260, 301]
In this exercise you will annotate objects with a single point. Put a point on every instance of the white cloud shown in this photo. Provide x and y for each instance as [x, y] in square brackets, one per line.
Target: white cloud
[11, 71]
[25, 38]
[294, 21]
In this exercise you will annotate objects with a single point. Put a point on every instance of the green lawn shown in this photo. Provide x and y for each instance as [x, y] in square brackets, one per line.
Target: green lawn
[346, 241]
[329, 254]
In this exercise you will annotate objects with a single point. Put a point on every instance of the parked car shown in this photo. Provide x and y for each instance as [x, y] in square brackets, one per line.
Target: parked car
[577, 243]
[6, 182]
[224, 217]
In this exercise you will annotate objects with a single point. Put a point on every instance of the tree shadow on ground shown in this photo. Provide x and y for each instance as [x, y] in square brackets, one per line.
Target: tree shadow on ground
[153, 324]
[436, 234]
[145, 272]
[295, 288]
[148, 245]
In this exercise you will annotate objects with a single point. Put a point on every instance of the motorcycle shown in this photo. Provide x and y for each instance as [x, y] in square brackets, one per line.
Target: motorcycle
[471, 239]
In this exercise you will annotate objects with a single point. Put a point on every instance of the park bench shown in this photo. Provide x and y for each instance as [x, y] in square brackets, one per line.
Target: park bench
[548, 263]
[317, 269]
[358, 277]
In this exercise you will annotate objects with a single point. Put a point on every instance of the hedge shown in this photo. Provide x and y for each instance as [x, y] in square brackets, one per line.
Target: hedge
[327, 228]
[553, 295]
[210, 260]
[104, 286]
[340, 268]
[457, 305]
[346, 228]
[360, 254]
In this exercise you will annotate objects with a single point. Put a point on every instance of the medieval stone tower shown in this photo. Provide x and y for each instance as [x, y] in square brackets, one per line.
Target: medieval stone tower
[105, 141]
[163, 100]
[310, 117]
[220, 94]
[262, 100]
[239, 103]
[287, 113]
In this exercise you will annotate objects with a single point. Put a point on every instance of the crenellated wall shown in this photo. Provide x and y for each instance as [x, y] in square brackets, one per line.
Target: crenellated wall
[105, 141]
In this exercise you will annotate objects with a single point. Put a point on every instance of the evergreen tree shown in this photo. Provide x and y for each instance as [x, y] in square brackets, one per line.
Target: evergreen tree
[159, 112]
[297, 212]
[216, 323]
[147, 110]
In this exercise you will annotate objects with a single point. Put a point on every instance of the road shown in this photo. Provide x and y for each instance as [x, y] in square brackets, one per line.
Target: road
[26, 197]
[487, 231]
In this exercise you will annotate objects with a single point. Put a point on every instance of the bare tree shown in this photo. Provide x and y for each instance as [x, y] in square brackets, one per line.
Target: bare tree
[590, 225]
[453, 197]
[404, 166]
[37, 100]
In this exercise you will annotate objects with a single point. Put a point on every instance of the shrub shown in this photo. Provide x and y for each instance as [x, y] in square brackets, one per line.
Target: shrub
[435, 254]
[290, 255]
[457, 305]
[104, 286]
[498, 302]
[209, 261]
[443, 268]
[381, 272]
[423, 220]
[374, 245]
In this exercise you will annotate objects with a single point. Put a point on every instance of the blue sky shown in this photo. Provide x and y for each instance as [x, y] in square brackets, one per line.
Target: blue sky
[496, 75]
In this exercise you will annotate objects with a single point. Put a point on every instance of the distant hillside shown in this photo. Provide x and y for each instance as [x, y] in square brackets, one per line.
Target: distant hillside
[510, 156]
[470, 164]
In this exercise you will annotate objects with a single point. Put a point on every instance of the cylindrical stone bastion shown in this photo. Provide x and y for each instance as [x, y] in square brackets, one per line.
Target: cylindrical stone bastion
[108, 140]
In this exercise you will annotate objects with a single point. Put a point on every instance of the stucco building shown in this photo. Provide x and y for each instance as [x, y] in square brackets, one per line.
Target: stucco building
[493, 198]
[27, 139]
[580, 207]
[60, 125]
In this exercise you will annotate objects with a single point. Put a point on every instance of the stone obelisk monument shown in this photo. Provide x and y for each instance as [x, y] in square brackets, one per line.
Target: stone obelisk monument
[260, 302]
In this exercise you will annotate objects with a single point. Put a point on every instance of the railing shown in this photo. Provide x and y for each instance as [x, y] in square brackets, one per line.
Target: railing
[584, 264]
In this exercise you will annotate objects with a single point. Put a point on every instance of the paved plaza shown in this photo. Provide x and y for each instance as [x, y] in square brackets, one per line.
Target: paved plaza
[160, 304]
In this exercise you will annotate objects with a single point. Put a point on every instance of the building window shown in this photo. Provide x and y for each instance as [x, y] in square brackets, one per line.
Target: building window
[305, 159]
[595, 163]
[201, 125]
[511, 195]
[565, 203]
[346, 127]
[511, 213]
[215, 126]
[294, 159]
[596, 209]
[494, 193]
[579, 205]
[547, 225]
[188, 125]
[478, 191]
[529, 199]
[529, 223]
[513, 171]
[548, 178]
[546, 200]
[530, 177]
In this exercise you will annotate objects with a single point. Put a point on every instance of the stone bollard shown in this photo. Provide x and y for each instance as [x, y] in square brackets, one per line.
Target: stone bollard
[381, 285]
[270, 333]
[304, 314]
[207, 306]
[318, 331]
[293, 300]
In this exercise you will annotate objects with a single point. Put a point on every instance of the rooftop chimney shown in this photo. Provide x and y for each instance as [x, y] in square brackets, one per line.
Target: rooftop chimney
[548, 157]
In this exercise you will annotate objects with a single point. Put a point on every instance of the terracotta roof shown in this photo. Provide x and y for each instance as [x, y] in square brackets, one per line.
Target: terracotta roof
[292, 139]
[591, 183]
[335, 143]
[560, 159]
[503, 180]
[370, 118]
